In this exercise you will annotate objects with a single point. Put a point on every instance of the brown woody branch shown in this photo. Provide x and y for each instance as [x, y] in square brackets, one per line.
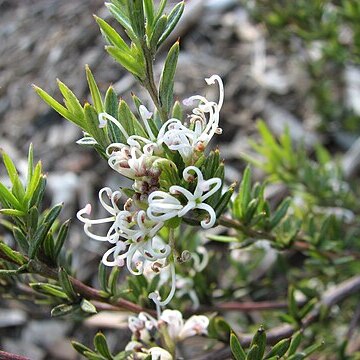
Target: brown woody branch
[86, 291]
[330, 298]
[8, 356]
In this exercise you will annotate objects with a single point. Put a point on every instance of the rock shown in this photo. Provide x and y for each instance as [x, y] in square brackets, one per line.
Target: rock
[12, 317]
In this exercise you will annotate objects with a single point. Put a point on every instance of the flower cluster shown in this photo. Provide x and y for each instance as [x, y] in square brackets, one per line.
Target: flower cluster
[146, 328]
[147, 160]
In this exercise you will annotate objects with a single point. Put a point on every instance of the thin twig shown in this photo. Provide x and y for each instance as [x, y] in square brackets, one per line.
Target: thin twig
[85, 290]
[8, 356]
[330, 298]
[246, 306]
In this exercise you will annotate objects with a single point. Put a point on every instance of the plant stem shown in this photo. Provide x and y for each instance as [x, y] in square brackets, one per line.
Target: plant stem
[8, 356]
[149, 82]
[85, 290]
[330, 298]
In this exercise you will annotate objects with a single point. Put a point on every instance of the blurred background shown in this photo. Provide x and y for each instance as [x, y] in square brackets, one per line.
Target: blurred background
[290, 63]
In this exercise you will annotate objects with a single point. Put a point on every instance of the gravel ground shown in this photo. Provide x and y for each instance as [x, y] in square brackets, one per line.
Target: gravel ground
[41, 40]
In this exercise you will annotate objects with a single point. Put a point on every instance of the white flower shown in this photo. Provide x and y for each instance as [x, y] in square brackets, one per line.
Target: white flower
[195, 325]
[205, 117]
[178, 330]
[177, 137]
[141, 326]
[158, 353]
[204, 189]
[128, 161]
[162, 206]
[131, 232]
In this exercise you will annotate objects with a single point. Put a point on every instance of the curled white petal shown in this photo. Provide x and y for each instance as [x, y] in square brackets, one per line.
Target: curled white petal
[156, 298]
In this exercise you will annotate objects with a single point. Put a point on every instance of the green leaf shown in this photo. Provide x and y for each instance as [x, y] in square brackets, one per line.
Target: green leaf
[42, 231]
[93, 356]
[166, 86]
[280, 213]
[177, 111]
[80, 348]
[160, 9]
[48, 248]
[10, 167]
[253, 353]
[8, 199]
[87, 307]
[149, 13]
[121, 17]
[64, 309]
[129, 121]
[219, 329]
[71, 101]
[38, 194]
[33, 182]
[297, 356]
[20, 238]
[92, 125]
[127, 61]
[102, 276]
[137, 17]
[293, 308]
[112, 35]
[11, 254]
[243, 198]
[223, 238]
[94, 90]
[173, 19]
[259, 341]
[4, 272]
[61, 237]
[66, 284]
[279, 349]
[236, 348]
[158, 30]
[101, 346]
[295, 342]
[113, 278]
[111, 107]
[62, 110]
[222, 205]
[30, 163]
[12, 212]
[32, 220]
[311, 349]
[49, 289]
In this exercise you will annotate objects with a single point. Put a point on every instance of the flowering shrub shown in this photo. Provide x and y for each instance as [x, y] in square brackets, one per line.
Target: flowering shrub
[154, 227]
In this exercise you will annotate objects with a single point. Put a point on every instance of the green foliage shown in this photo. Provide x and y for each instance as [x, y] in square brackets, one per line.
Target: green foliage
[283, 349]
[101, 351]
[321, 180]
[318, 24]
